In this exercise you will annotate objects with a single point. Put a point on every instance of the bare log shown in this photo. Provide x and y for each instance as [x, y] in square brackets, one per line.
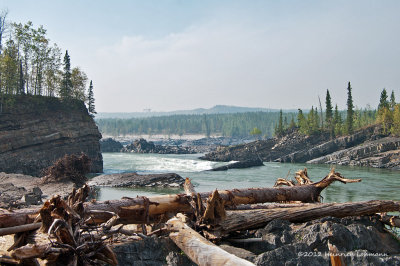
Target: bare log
[17, 217]
[248, 219]
[199, 249]
[159, 208]
[19, 228]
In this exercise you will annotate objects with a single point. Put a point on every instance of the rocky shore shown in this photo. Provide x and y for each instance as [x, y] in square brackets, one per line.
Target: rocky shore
[366, 147]
[360, 240]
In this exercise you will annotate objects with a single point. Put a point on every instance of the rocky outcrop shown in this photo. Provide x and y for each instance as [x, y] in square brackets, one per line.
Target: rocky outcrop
[267, 150]
[238, 165]
[143, 146]
[110, 145]
[136, 180]
[35, 131]
[330, 146]
[381, 153]
[366, 147]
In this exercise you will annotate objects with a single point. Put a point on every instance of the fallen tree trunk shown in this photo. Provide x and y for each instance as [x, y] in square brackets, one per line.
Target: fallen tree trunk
[144, 210]
[199, 249]
[248, 219]
[160, 208]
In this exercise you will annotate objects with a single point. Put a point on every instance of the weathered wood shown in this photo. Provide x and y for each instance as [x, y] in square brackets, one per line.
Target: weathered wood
[390, 220]
[199, 249]
[153, 209]
[248, 219]
[9, 218]
[19, 228]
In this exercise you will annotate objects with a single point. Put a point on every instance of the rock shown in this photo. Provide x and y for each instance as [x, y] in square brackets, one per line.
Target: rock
[381, 153]
[352, 236]
[366, 147]
[289, 255]
[239, 252]
[241, 164]
[110, 145]
[10, 195]
[136, 180]
[34, 197]
[35, 131]
[142, 146]
[178, 259]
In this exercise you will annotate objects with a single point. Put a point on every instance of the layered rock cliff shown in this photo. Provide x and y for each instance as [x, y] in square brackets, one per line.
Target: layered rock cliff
[366, 147]
[35, 131]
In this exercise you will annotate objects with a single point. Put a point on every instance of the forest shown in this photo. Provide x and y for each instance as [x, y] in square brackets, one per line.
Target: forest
[31, 65]
[265, 124]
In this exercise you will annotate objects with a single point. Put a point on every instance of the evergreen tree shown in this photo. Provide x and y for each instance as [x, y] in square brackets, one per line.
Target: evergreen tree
[21, 83]
[383, 101]
[337, 122]
[395, 130]
[329, 110]
[302, 122]
[350, 111]
[66, 84]
[392, 101]
[91, 108]
[279, 129]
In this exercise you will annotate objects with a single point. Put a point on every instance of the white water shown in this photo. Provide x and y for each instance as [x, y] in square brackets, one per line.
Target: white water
[376, 184]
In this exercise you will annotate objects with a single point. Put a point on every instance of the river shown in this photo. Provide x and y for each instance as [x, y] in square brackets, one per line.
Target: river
[376, 183]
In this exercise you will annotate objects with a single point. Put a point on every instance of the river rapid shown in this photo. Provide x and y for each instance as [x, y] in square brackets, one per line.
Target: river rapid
[376, 183]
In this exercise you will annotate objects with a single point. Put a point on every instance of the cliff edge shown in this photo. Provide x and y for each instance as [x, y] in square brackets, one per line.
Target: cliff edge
[35, 131]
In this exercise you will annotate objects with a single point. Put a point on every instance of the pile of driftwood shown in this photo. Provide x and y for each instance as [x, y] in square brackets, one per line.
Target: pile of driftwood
[76, 232]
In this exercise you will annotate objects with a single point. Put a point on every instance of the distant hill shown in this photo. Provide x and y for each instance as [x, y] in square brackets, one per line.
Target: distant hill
[218, 109]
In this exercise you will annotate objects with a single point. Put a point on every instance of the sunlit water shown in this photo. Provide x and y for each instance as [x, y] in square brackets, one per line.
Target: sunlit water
[376, 183]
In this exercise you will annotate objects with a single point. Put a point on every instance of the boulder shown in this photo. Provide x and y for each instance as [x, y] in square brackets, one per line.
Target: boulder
[135, 180]
[110, 145]
[241, 164]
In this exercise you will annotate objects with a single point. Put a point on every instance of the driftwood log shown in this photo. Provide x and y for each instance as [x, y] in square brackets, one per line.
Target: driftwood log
[248, 219]
[160, 208]
[199, 249]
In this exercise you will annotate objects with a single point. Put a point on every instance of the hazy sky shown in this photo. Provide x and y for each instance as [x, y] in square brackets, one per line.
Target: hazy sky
[182, 54]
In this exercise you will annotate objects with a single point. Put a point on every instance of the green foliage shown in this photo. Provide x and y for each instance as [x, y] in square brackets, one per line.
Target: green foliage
[66, 85]
[91, 107]
[392, 102]
[256, 132]
[279, 130]
[395, 129]
[350, 111]
[230, 125]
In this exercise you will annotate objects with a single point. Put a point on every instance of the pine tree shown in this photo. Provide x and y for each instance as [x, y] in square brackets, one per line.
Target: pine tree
[329, 109]
[66, 85]
[279, 130]
[21, 82]
[337, 122]
[91, 108]
[383, 101]
[392, 102]
[302, 122]
[350, 111]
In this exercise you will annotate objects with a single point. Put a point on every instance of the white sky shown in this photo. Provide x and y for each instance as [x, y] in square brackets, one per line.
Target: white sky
[183, 54]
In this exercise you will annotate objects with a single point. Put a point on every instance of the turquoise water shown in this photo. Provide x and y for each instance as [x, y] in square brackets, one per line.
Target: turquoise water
[376, 183]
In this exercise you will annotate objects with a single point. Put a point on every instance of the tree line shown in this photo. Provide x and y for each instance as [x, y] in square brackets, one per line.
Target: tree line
[315, 121]
[338, 123]
[230, 125]
[31, 65]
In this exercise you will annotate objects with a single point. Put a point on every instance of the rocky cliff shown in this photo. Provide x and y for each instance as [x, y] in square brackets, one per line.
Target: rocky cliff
[35, 131]
[366, 147]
